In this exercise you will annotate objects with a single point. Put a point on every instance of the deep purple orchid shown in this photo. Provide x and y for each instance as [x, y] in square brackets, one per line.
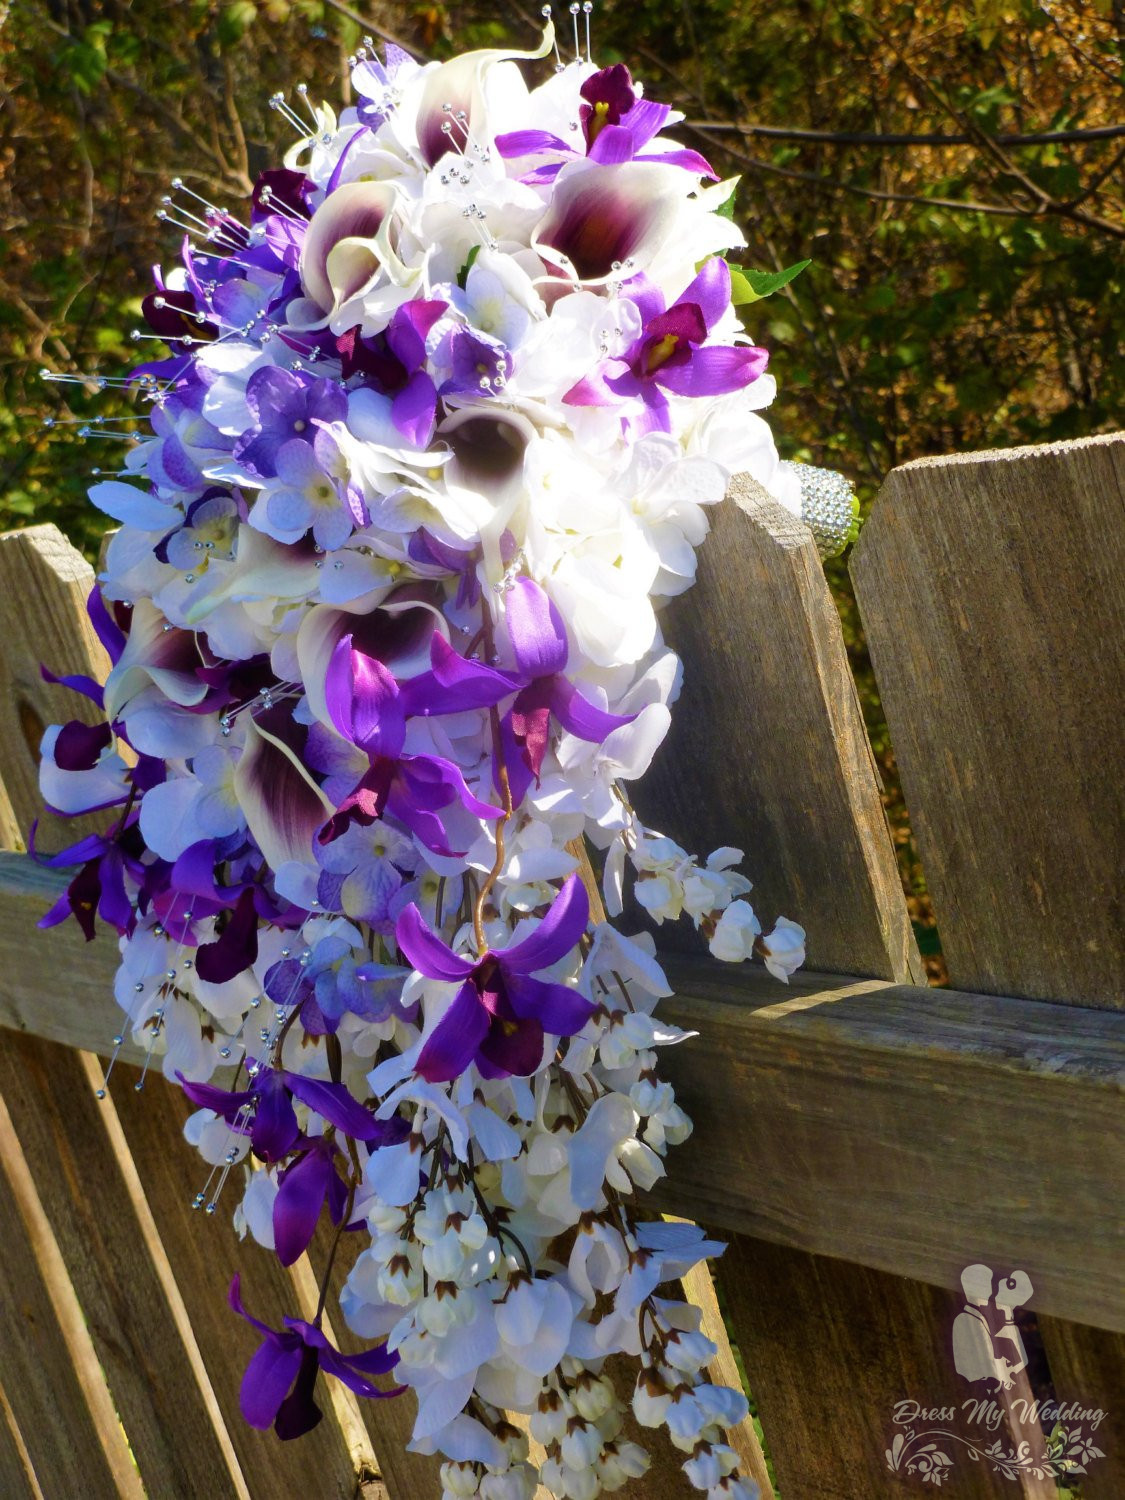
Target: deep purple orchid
[265, 1112]
[499, 1017]
[99, 885]
[304, 1186]
[617, 124]
[367, 707]
[540, 647]
[671, 354]
[285, 406]
[236, 947]
[281, 188]
[277, 1388]
[603, 214]
[394, 361]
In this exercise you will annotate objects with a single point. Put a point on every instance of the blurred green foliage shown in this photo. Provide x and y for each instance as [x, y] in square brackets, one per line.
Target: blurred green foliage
[962, 295]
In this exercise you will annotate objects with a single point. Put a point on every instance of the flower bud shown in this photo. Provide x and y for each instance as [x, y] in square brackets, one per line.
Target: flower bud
[548, 1421]
[723, 1405]
[703, 1468]
[580, 1444]
[592, 1396]
[460, 1480]
[685, 1420]
[516, 1483]
[734, 1488]
[735, 933]
[651, 1399]
[784, 949]
[688, 1352]
[621, 1462]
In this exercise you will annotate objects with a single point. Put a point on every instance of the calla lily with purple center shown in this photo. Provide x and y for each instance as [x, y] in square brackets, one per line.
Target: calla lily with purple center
[367, 708]
[603, 215]
[499, 1017]
[541, 650]
[347, 243]
[277, 1388]
[671, 354]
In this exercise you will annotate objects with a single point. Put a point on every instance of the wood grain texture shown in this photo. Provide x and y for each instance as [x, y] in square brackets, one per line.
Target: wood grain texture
[175, 1432]
[897, 1127]
[830, 1349]
[892, 1125]
[44, 582]
[206, 1254]
[1088, 1367]
[768, 749]
[18, 1479]
[58, 1400]
[992, 590]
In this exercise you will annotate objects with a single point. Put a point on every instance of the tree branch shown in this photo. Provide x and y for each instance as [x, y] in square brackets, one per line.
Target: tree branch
[925, 138]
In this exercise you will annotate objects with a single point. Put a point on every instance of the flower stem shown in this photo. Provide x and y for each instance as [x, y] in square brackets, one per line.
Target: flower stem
[505, 793]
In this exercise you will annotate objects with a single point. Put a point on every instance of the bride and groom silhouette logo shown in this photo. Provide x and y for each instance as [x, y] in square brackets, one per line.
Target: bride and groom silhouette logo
[987, 1347]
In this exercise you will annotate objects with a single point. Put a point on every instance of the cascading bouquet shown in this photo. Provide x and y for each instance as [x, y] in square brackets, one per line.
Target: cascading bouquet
[436, 437]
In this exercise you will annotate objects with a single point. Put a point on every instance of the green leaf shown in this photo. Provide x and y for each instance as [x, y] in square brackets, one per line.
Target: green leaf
[235, 21]
[752, 286]
[725, 209]
[463, 273]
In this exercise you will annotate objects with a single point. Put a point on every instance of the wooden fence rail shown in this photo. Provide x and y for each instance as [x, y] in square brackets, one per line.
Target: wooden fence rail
[859, 1137]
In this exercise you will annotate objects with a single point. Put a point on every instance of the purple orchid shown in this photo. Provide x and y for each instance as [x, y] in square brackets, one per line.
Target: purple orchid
[285, 406]
[281, 187]
[541, 650]
[310, 1181]
[273, 1128]
[236, 948]
[395, 363]
[617, 124]
[499, 1017]
[277, 1388]
[367, 707]
[671, 354]
[99, 886]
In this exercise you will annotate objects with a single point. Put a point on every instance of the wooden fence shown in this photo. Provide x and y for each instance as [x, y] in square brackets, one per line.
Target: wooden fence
[859, 1137]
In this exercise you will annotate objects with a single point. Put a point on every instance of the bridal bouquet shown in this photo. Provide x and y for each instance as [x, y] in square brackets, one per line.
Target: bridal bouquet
[436, 436]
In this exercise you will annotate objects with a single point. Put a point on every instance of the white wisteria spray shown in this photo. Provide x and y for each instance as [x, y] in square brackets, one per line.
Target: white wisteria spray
[437, 434]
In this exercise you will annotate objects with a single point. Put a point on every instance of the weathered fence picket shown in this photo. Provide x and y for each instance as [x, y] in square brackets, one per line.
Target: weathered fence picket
[861, 1136]
[995, 580]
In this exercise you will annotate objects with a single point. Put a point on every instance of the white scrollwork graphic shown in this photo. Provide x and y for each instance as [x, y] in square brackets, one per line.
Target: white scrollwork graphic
[923, 1454]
